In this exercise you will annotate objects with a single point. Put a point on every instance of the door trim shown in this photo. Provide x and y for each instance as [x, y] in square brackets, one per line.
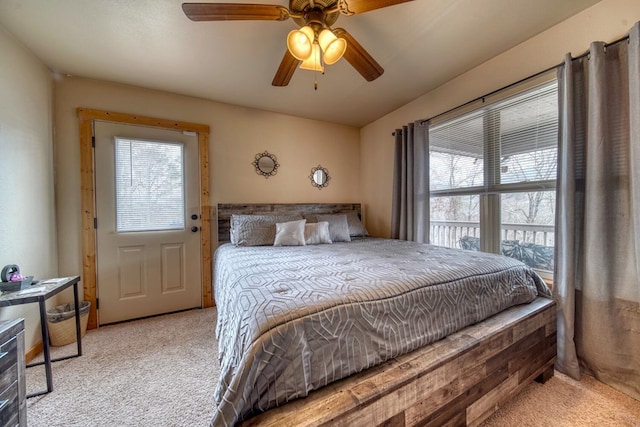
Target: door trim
[86, 118]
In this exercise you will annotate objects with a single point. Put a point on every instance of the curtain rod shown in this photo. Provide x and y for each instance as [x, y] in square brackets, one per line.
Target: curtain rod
[539, 73]
[481, 98]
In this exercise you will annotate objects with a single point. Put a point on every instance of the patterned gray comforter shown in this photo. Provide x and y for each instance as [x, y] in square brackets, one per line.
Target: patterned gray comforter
[293, 319]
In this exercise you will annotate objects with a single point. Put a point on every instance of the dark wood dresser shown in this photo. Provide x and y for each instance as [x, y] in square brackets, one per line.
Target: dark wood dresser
[13, 406]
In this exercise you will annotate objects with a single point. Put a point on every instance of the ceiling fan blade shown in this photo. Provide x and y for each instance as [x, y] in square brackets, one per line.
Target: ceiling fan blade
[351, 7]
[234, 12]
[285, 70]
[358, 57]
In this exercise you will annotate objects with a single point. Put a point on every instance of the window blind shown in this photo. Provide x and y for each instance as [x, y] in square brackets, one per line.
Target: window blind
[492, 175]
[512, 141]
[149, 185]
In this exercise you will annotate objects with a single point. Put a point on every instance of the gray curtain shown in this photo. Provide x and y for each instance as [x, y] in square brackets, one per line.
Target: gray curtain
[410, 209]
[597, 278]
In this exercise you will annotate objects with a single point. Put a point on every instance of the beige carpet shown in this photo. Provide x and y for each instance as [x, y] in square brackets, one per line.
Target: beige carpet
[162, 371]
[562, 401]
[159, 371]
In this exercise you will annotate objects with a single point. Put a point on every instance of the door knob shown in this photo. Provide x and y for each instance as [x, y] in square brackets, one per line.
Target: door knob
[194, 217]
[194, 229]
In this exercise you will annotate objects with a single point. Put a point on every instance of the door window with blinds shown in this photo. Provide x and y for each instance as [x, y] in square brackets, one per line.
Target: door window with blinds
[492, 177]
[149, 185]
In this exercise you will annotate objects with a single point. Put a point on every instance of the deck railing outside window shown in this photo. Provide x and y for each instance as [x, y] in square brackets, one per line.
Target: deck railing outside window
[533, 244]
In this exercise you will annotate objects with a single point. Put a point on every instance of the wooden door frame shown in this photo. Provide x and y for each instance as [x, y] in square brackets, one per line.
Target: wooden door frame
[86, 118]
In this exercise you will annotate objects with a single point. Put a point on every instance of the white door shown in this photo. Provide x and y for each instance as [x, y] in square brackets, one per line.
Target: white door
[148, 219]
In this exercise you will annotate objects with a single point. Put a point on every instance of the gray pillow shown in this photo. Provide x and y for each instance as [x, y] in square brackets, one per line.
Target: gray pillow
[317, 233]
[356, 227]
[338, 227]
[290, 233]
[256, 230]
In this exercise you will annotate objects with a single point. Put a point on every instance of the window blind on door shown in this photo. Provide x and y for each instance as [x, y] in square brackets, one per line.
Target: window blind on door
[149, 185]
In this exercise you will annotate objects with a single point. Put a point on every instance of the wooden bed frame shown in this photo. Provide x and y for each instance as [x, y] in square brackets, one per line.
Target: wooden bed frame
[457, 381]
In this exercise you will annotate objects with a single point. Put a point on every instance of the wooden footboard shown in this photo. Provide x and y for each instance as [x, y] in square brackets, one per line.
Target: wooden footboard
[459, 380]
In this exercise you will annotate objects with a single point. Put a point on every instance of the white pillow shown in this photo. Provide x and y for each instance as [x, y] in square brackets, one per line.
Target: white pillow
[290, 233]
[316, 233]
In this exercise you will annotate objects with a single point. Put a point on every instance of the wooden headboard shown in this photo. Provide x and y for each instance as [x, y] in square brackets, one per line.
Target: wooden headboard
[226, 209]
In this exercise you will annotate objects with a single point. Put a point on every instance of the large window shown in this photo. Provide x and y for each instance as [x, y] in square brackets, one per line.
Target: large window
[492, 177]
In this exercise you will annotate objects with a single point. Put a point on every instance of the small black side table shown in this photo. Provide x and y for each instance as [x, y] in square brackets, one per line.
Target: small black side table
[39, 293]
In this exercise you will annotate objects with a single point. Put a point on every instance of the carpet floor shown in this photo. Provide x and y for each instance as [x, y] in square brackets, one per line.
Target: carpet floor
[161, 371]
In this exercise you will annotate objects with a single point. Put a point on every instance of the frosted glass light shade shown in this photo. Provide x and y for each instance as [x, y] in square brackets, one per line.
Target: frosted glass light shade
[314, 62]
[300, 42]
[332, 46]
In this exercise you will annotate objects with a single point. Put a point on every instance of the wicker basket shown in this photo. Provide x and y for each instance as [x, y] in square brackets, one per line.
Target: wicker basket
[61, 321]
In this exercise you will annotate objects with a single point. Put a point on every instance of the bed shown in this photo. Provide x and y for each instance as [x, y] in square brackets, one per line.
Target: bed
[371, 331]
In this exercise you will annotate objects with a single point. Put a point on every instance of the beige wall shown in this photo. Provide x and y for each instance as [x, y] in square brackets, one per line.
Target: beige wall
[27, 213]
[606, 21]
[237, 135]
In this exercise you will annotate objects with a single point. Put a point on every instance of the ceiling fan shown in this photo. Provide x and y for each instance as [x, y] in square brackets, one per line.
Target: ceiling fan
[315, 43]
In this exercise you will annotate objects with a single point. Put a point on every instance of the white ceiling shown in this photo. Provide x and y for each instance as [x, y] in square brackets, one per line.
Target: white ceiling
[151, 43]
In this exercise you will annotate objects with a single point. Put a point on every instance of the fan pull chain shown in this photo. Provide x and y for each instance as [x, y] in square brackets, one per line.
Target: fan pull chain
[315, 74]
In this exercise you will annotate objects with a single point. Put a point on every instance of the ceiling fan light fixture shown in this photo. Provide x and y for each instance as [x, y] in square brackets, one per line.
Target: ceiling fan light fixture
[332, 46]
[314, 62]
[300, 42]
[313, 16]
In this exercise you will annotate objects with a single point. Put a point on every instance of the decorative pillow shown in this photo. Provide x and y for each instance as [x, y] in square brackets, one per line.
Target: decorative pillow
[256, 230]
[356, 227]
[290, 233]
[317, 233]
[338, 227]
